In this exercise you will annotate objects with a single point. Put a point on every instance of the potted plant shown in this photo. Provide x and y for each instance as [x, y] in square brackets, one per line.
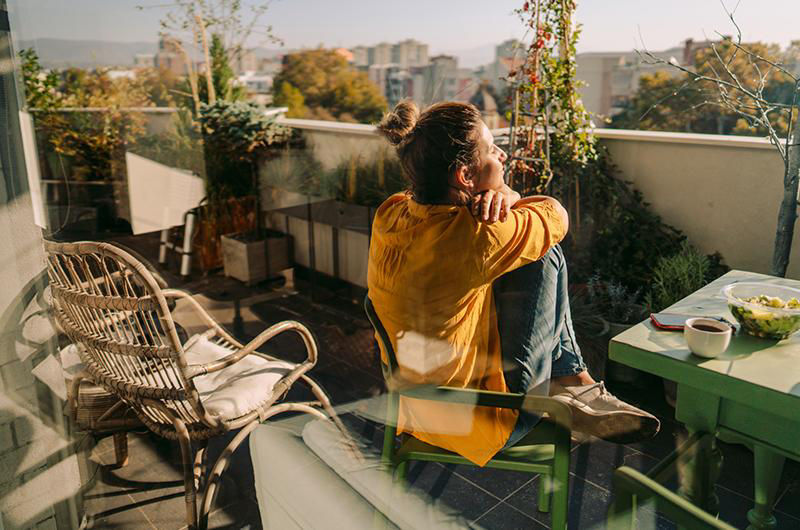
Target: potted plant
[339, 202]
[237, 136]
[621, 308]
[675, 277]
[591, 330]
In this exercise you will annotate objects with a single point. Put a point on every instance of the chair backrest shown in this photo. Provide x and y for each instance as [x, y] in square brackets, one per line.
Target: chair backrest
[392, 403]
[388, 369]
[108, 302]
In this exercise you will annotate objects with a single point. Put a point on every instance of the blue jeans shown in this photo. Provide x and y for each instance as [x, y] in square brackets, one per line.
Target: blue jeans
[536, 335]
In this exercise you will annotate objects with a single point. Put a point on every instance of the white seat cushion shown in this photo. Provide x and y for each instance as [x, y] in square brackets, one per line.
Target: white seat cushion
[71, 364]
[238, 389]
[406, 508]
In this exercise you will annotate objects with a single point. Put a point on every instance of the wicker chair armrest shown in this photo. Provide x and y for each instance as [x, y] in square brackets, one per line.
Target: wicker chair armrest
[204, 315]
[555, 409]
[263, 337]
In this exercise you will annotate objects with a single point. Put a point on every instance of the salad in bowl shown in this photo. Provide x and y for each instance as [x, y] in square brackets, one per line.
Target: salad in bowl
[763, 309]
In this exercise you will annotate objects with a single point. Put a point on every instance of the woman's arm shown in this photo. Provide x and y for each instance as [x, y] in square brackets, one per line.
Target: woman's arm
[494, 205]
[557, 207]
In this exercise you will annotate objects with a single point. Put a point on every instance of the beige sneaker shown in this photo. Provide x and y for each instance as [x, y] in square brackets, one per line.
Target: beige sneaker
[597, 412]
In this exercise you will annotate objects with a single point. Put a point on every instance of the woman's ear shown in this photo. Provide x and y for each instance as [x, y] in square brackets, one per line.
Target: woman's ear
[463, 180]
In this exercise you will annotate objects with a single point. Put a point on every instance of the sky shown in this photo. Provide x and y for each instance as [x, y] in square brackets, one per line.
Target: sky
[446, 25]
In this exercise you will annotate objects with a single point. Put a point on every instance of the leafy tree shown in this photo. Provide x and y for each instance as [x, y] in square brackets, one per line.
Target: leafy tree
[237, 23]
[645, 113]
[41, 87]
[222, 73]
[89, 145]
[163, 87]
[289, 96]
[330, 88]
[667, 102]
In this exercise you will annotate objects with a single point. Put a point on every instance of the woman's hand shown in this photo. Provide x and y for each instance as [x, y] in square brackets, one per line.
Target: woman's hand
[494, 205]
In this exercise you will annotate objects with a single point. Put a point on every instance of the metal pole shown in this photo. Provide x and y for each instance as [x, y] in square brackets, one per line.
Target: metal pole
[186, 257]
[162, 247]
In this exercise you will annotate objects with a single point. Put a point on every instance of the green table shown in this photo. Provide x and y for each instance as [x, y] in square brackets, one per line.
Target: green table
[750, 394]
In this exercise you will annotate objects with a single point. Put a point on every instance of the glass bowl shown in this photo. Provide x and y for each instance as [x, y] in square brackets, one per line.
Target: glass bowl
[759, 319]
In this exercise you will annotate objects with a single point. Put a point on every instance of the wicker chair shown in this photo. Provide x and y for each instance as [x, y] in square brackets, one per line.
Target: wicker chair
[109, 303]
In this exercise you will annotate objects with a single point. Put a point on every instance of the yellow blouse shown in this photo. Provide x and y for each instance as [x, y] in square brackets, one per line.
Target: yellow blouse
[429, 277]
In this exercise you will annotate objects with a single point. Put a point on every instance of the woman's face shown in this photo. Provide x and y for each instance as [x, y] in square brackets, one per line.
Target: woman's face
[489, 173]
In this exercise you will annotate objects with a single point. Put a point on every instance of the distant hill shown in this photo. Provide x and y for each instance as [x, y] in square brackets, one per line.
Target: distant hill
[473, 57]
[61, 53]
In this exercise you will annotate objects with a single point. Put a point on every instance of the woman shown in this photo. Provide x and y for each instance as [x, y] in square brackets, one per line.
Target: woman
[469, 282]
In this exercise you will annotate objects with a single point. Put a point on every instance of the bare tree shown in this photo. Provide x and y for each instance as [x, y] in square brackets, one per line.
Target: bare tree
[239, 24]
[747, 98]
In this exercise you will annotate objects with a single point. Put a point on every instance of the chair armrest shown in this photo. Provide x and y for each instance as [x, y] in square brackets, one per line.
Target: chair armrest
[204, 315]
[263, 337]
[557, 410]
[628, 483]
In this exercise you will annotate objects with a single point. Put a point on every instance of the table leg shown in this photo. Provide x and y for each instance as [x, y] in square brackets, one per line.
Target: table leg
[699, 474]
[768, 467]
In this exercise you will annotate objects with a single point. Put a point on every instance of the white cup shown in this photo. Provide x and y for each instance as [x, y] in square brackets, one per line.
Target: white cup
[705, 342]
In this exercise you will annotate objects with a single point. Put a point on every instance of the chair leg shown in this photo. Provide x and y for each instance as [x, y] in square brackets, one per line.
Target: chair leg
[185, 440]
[622, 512]
[200, 464]
[402, 470]
[224, 458]
[121, 449]
[188, 474]
[560, 480]
[545, 489]
[219, 468]
[322, 397]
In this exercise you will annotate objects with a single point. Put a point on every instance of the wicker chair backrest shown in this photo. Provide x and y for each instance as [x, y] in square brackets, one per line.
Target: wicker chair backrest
[109, 303]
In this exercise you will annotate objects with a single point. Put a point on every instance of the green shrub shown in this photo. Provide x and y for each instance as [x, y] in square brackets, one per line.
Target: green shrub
[236, 135]
[615, 302]
[613, 232]
[676, 277]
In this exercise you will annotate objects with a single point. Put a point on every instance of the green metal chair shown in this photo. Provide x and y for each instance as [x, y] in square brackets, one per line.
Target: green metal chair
[545, 450]
[632, 489]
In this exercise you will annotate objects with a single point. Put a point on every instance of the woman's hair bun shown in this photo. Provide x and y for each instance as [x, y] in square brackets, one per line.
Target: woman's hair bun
[396, 125]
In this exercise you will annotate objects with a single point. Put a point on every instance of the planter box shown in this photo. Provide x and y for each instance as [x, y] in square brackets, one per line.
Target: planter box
[234, 216]
[254, 261]
[340, 233]
[279, 251]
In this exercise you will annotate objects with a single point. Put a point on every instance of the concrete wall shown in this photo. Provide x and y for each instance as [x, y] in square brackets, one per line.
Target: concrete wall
[722, 191]
[333, 143]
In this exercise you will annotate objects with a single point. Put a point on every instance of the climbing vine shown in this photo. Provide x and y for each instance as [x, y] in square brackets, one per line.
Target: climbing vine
[613, 236]
[556, 124]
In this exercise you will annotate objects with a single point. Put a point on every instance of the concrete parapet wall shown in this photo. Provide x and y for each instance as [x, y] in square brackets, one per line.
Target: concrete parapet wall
[722, 191]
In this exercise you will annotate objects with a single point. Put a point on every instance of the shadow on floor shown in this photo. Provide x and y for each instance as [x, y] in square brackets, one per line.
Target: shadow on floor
[148, 493]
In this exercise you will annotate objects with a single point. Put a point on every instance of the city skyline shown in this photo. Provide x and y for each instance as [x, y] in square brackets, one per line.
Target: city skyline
[309, 23]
